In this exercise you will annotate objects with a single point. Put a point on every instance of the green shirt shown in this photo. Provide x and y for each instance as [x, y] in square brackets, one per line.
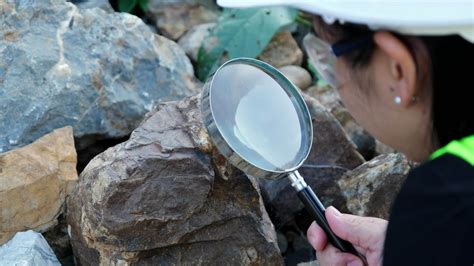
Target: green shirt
[463, 148]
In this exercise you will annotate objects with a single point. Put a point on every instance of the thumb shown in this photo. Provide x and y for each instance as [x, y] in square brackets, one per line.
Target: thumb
[364, 232]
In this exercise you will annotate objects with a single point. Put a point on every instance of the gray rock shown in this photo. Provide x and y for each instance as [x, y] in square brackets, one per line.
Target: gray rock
[173, 18]
[371, 188]
[298, 75]
[192, 40]
[282, 51]
[27, 248]
[332, 154]
[330, 99]
[167, 197]
[104, 4]
[99, 72]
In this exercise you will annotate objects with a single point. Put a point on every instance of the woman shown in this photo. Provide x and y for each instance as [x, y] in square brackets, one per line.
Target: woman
[404, 70]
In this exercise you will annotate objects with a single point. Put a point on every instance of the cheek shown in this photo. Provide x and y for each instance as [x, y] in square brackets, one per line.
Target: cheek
[350, 94]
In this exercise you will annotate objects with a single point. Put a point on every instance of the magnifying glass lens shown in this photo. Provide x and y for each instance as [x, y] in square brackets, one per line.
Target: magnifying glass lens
[257, 117]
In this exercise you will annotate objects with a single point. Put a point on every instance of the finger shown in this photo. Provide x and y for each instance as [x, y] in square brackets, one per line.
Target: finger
[360, 231]
[316, 236]
[333, 256]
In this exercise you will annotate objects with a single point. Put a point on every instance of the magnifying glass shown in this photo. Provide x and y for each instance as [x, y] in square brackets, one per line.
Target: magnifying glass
[259, 121]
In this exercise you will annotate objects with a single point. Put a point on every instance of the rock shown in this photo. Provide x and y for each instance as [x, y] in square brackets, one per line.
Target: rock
[104, 4]
[192, 40]
[332, 154]
[174, 18]
[371, 188]
[27, 248]
[99, 72]
[282, 51]
[329, 98]
[41, 174]
[298, 75]
[166, 196]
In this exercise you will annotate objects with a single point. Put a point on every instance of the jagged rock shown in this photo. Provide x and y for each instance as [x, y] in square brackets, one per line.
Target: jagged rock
[282, 51]
[371, 188]
[174, 18]
[34, 183]
[298, 75]
[99, 72]
[27, 248]
[166, 196]
[332, 154]
[330, 99]
[192, 40]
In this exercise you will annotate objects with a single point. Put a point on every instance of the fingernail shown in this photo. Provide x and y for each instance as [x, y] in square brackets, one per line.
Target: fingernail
[355, 263]
[334, 211]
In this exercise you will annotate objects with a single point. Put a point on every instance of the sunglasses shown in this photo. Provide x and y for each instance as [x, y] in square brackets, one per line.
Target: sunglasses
[323, 56]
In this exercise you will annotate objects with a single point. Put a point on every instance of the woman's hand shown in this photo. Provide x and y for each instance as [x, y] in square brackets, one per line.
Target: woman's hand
[367, 234]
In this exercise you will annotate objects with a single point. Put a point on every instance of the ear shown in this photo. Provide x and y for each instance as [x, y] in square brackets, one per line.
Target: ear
[402, 66]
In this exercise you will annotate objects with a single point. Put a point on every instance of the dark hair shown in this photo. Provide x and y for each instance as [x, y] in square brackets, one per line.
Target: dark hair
[444, 64]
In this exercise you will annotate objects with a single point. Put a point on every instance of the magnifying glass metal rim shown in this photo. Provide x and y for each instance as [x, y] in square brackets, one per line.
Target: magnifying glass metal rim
[219, 139]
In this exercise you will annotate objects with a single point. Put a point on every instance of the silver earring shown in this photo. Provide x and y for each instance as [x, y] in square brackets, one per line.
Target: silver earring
[414, 98]
[397, 100]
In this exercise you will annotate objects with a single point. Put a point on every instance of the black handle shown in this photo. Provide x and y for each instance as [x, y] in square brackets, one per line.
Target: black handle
[316, 209]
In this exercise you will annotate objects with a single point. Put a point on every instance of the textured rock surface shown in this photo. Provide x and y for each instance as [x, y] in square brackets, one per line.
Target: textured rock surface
[104, 4]
[332, 154]
[163, 197]
[371, 188]
[192, 40]
[27, 248]
[173, 18]
[99, 72]
[282, 51]
[34, 183]
[298, 75]
[330, 99]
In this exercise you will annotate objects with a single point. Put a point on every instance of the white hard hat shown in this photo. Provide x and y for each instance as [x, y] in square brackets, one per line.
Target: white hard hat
[418, 17]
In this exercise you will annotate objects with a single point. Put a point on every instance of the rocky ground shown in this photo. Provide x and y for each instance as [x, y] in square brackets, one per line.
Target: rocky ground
[103, 150]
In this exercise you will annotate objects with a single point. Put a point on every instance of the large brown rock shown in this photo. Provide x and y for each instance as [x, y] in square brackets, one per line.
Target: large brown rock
[371, 188]
[34, 183]
[166, 196]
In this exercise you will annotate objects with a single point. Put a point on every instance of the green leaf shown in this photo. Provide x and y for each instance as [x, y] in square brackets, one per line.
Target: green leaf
[241, 33]
[126, 5]
[143, 4]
